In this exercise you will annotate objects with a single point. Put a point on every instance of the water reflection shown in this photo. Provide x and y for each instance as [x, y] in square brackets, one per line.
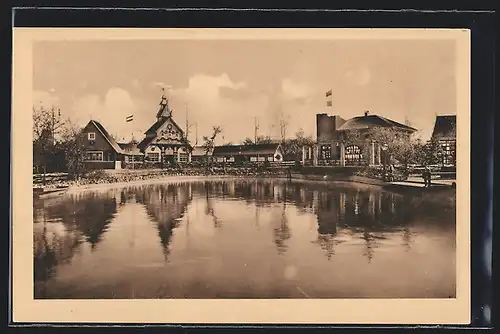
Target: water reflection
[282, 232]
[214, 223]
[60, 229]
[166, 206]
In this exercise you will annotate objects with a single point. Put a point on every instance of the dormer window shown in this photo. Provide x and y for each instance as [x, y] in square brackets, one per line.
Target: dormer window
[91, 135]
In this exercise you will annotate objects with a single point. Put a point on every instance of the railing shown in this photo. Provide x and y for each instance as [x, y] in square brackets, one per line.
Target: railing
[325, 163]
[328, 162]
[49, 178]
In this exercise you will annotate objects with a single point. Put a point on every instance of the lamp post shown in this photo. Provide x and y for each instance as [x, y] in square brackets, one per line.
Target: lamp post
[384, 149]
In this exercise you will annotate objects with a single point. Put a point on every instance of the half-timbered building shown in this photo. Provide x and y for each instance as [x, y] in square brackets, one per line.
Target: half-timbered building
[445, 133]
[165, 141]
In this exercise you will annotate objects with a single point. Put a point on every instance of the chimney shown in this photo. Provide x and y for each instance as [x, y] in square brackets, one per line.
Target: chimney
[367, 112]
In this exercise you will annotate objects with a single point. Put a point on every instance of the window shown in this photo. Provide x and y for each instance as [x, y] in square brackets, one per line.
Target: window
[109, 156]
[183, 157]
[94, 156]
[154, 157]
[91, 135]
[270, 158]
[326, 152]
[253, 158]
[353, 153]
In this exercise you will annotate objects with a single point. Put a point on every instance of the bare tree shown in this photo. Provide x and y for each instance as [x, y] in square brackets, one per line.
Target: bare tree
[209, 142]
[283, 126]
[430, 153]
[47, 124]
[397, 144]
[74, 152]
[259, 140]
[247, 141]
[292, 148]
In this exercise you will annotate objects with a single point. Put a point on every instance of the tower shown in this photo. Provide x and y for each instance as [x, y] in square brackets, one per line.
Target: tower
[164, 110]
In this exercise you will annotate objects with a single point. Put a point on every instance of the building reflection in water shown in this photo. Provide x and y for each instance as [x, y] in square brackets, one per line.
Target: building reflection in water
[365, 216]
[60, 228]
[166, 206]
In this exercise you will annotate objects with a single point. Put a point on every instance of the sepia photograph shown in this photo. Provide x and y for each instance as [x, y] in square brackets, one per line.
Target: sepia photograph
[226, 165]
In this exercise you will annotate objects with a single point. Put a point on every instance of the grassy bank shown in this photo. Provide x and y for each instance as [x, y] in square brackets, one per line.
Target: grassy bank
[128, 175]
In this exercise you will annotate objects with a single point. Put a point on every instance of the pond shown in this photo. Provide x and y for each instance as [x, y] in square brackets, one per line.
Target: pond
[244, 239]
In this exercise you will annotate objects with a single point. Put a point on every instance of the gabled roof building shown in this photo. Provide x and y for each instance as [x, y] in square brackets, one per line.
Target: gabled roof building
[333, 149]
[101, 149]
[445, 132]
[165, 141]
[248, 153]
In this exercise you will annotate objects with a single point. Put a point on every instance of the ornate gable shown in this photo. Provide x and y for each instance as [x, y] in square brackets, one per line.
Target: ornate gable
[169, 133]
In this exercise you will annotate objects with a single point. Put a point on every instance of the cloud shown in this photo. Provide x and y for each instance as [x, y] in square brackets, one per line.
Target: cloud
[218, 100]
[359, 76]
[136, 84]
[238, 92]
[297, 92]
[207, 100]
[45, 99]
[111, 111]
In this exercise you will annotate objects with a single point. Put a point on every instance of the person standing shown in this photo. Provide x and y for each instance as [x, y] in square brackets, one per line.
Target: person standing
[426, 175]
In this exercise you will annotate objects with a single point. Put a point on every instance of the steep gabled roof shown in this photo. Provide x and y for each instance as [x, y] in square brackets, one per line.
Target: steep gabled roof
[156, 125]
[107, 136]
[367, 121]
[144, 143]
[160, 122]
[445, 126]
[246, 149]
[130, 148]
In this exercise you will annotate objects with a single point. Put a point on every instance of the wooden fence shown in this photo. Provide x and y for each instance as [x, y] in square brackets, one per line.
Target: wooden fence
[39, 179]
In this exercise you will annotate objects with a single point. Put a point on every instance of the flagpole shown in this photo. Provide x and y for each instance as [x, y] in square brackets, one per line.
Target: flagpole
[129, 119]
[133, 157]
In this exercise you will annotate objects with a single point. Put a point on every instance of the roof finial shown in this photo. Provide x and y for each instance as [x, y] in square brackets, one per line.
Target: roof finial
[164, 99]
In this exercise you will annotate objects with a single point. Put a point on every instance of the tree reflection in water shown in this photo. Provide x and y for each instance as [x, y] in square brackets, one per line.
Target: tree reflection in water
[282, 233]
[52, 246]
[61, 227]
[209, 209]
[166, 206]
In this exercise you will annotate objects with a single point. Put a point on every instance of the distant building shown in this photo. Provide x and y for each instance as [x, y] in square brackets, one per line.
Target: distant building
[333, 149]
[239, 154]
[445, 132]
[198, 154]
[131, 151]
[101, 149]
[165, 141]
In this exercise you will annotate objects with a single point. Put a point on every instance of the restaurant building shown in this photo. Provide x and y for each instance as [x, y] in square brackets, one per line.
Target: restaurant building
[165, 141]
[334, 146]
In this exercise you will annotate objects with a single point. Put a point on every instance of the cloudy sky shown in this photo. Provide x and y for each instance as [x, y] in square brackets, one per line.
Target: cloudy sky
[230, 83]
